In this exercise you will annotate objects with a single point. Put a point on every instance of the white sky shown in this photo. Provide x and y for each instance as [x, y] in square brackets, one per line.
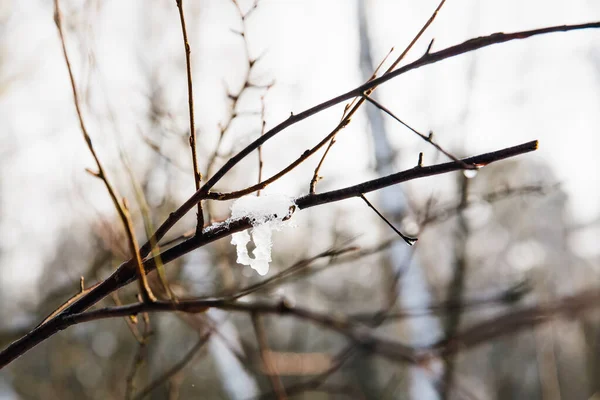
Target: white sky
[547, 88]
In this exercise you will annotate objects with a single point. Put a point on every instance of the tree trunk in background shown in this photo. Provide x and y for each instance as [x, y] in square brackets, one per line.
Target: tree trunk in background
[413, 289]
[236, 381]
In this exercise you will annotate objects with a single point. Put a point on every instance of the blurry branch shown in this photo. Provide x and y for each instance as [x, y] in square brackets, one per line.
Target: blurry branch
[145, 290]
[265, 355]
[315, 382]
[287, 273]
[148, 226]
[130, 321]
[247, 84]
[140, 357]
[441, 214]
[120, 206]
[156, 148]
[190, 87]
[348, 114]
[526, 318]
[175, 369]
[456, 286]
[125, 273]
[506, 297]
[510, 322]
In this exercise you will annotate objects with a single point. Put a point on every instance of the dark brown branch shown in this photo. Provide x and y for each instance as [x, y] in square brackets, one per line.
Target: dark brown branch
[414, 173]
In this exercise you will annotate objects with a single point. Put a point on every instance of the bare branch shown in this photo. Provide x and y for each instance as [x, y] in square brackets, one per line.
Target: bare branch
[426, 59]
[190, 87]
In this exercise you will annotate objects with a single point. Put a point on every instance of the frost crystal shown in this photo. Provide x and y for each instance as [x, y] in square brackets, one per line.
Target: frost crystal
[267, 213]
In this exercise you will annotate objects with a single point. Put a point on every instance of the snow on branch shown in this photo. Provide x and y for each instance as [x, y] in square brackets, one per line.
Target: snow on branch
[266, 213]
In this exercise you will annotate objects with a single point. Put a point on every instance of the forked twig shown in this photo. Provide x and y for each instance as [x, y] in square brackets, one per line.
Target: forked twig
[348, 116]
[349, 107]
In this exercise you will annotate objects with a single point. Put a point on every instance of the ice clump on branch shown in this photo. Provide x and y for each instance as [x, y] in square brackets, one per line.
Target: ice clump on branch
[266, 213]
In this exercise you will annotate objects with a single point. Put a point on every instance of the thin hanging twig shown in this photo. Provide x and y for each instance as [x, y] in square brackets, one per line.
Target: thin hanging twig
[409, 240]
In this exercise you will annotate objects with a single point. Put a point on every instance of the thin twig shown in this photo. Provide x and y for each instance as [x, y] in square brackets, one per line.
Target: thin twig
[131, 322]
[409, 240]
[247, 84]
[190, 87]
[262, 132]
[289, 272]
[428, 139]
[350, 106]
[235, 96]
[120, 206]
[145, 290]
